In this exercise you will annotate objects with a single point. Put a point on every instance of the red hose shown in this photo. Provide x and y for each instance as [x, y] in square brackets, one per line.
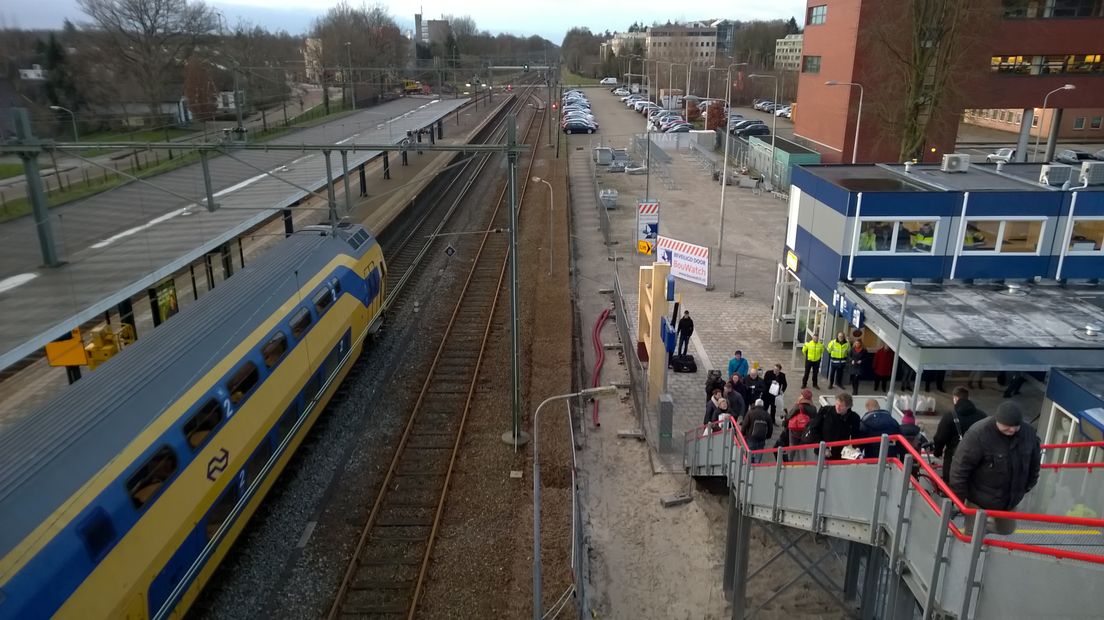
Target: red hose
[600, 353]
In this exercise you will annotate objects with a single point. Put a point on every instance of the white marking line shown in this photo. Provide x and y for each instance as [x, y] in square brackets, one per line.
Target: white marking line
[126, 233]
[307, 531]
[700, 350]
[8, 284]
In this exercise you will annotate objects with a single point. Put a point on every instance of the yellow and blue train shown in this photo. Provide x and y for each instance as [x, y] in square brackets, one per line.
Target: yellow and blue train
[119, 498]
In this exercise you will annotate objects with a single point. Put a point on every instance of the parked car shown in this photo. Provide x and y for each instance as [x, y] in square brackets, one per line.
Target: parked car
[679, 128]
[571, 127]
[1073, 157]
[744, 124]
[1006, 155]
[608, 81]
[621, 92]
[641, 105]
[626, 98]
[671, 123]
[782, 111]
[754, 130]
[762, 105]
[1099, 155]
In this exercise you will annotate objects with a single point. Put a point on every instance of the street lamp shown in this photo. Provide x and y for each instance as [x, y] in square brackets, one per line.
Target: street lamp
[352, 85]
[595, 392]
[774, 119]
[858, 117]
[58, 108]
[724, 162]
[1039, 133]
[550, 202]
[893, 287]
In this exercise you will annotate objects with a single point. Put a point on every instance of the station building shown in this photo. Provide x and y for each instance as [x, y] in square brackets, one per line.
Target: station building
[1005, 269]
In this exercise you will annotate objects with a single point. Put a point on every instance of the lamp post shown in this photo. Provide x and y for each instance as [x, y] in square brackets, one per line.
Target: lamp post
[1039, 133]
[72, 115]
[893, 287]
[352, 85]
[858, 117]
[551, 245]
[774, 119]
[596, 392]
[724, 162]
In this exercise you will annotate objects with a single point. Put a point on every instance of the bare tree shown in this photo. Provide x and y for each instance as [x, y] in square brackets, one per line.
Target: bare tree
[925, 51]
[150, 38]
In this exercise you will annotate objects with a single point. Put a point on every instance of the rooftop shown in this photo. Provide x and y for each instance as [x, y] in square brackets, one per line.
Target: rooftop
[1022, 177]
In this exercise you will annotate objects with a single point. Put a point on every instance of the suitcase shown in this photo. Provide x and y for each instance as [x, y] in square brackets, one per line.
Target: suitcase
[684, 363]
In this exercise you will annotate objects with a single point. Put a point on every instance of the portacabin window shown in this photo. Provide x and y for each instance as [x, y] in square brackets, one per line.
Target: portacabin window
[817, 15]
[1005, 236]
[896, 236]
[810, 64]
[1087, 235]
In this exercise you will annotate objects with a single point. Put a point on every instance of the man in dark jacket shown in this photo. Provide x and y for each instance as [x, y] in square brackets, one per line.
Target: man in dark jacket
[737, 385]
[756, 387]
[953, 426]
[875, 423]
[996, 464]
[757, 427]
[771, 400]
[835, 423]
[685, 330]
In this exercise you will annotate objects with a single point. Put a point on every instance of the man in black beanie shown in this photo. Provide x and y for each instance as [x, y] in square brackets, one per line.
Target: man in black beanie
[996, 464]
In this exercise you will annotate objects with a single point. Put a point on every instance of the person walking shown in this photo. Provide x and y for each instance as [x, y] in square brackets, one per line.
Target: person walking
[776, 387]
[757, 427]
[996, 464]
[875, 423]
[736, 394]
[713, 381]
[713, 406]
[856, 359]
[756, 386]
[883, 367]
[838, 351]
[952, 426]
[812, 351]
[835, 423]
[738, 364]
[685, 330]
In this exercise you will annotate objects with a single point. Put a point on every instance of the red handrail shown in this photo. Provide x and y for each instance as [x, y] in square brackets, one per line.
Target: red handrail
[740, 440]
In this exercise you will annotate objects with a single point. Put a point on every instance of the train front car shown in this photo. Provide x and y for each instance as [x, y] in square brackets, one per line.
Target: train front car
[120, 496]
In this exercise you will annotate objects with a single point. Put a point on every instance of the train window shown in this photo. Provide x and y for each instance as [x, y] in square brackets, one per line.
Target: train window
[332, 361]
[222, 509]
[314, 384]
[242, 381]
[148, 480]
[202, 423]
[323, 299]
[299, 322]
[335, 284]
[274, 349]
[98, 533]
[287, 421]
[258, 461]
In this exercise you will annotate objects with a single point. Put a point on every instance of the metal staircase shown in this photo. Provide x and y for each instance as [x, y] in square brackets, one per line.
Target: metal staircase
[915, 557]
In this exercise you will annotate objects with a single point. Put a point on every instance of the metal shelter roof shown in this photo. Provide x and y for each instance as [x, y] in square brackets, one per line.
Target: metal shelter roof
[119, 243]
[1033, 328]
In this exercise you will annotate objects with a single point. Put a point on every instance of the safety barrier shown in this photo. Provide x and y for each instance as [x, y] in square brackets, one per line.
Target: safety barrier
[882, 503]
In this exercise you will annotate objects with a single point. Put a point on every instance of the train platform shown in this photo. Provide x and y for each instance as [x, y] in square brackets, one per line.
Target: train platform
[24, 389]
[117, 244]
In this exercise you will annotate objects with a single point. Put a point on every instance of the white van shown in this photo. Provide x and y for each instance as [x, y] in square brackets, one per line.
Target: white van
[608, 81]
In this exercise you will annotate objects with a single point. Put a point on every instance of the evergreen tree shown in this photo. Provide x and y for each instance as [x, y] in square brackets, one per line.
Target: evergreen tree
[791, 27]
[61, 88]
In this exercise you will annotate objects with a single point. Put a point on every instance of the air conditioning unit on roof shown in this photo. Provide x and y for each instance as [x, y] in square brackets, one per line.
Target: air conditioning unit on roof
[1054, 174]
[1092, 173]
[955, 162]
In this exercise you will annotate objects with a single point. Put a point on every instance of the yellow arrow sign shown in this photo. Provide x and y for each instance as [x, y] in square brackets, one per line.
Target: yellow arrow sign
[645, 247]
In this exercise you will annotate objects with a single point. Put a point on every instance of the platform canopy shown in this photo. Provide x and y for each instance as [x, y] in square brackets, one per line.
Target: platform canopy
[1012, 328]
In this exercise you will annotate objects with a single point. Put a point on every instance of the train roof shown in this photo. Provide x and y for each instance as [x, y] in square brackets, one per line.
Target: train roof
[48, 455]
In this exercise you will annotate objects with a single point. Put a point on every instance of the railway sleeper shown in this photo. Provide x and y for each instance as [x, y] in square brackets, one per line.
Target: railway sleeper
[387, 572]
[391, 551]
[376, 601]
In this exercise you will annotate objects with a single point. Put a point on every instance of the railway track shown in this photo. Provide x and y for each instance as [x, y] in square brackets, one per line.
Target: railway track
[387, 573]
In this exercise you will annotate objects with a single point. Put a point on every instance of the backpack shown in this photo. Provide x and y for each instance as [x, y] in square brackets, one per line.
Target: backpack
[760, 430]
[799, 421]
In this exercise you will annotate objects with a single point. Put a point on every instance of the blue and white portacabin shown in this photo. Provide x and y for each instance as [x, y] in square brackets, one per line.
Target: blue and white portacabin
[120, 496]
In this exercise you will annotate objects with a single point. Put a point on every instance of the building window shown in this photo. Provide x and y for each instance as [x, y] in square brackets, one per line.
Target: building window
[1003, 115]
[810, 64]
[1003, 236]
[1074, 8]
[1096, 122]
[1019, 118]
[1087, 235]
[1034, 120]
[817, 15]
[1079, 123]
[1010, 64]
[1085, 63]
[893, 236]
[1052, 63]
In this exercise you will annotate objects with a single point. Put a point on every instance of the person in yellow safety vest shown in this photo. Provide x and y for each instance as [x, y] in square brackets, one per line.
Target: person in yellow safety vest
[838, 351]
[923, 240]
[973, 236]
[867, 241]
[812, 351]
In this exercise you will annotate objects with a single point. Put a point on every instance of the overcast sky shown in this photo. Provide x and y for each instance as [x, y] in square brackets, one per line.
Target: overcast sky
[547, 18]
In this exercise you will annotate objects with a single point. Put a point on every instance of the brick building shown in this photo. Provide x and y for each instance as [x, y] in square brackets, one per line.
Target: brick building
[1015, 52]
